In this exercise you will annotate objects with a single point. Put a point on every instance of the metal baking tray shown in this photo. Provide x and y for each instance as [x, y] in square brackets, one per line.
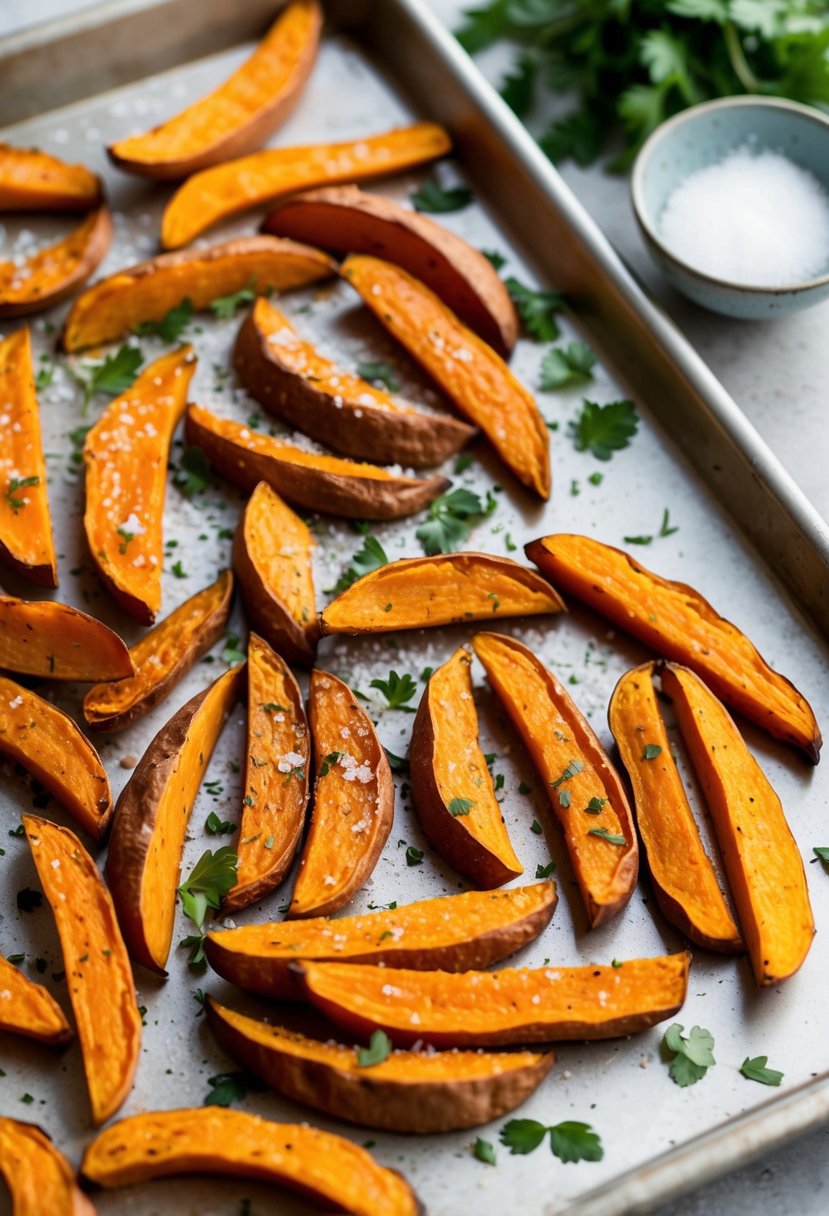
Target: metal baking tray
[748, 539]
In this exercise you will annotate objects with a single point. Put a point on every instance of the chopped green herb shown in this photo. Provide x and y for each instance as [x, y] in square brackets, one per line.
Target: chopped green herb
[569, 1141]
[379, 372]
[208, 882]
[545, 871]
[378, 1050]
[451, 516]
[518, 87]
[113, 376]
[178, 570]
[460, 806]
[28, 900]
[224, 307]
[604, 429]
[610, 837]
[228, 1087]
[692, 1055]
[171, 326]
[371, 556]
[566, 365]
[397, 690]
[495, 259]
[666, 529]
[434, 200]
[413, 856]
[572, 770]
[16, 484]
[594, 806]
[193, 473]
[330, 760]
[398, 764]
[651, 751]
[536, 309]
[755, 1070]
[596, 479]
[462, 463]
[218, 827]
[483, 1150]
[536, 827]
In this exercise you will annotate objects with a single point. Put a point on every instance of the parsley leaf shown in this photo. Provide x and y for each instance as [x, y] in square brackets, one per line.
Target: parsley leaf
[171, 326]
[651, 751]
[434, 200]
[579, 136]
[572, 770]
[414, 857]
[666, 529]
[566, 365]
[495, 259]
[545, 871]
[378, 1050]
[820, 851]
[570, 1141]
[113, 376]
[755, 1070]
[19, 483]
[460, 806]
[370, 557]
[229, 1087]
[397, 764]
[594, 806]
[379, 373]
[483, 26]
[225, 307]
[484, 1150]
[208, 882]
[218, 827]
[450, 518]
[397, 690]
[193, 472]
[693, 1054]
[604, 429]
[610, 837]
[536, 309]
[518, 86]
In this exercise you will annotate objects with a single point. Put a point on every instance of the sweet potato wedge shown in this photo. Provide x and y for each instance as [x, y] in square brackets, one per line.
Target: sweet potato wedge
[411, 1091]
[353, 801]
[48, 744]
[452, 932]
[26, 543]
[148, 290]
[492, 1008]
[126, 454]
[151, 819]
[349, 220]
[216, 194]
[28, 1009]
[277, 784]
[760, 855]
[585, 791]
[451, 785]
[471, 374]
[683, 877]
[98, 970]
[241, 113]
[31, 180]
[39, 1178]
[45, 638]
[52, 274]
[318, 483]
[272, 552]
[290, 380]
[452, 588]
[162, 658]
[675, 621]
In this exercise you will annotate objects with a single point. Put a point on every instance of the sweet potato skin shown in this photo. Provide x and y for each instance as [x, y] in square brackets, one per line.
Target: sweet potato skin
[32, 180]
[49, 639]
[53, 274]
[29, 1009]
[39, 1178]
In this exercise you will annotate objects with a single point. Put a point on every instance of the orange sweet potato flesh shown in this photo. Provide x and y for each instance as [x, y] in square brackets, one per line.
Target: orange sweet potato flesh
[307, 479]
[452, 932]
[452, 588]
[353, 801]
[675, 621]
[683, 877]
[277, 784]
[492, 1008]
[410, 1091]
[471, 374]
[760, 855]
[31, 180]
[296, 384]
[52, 274]
[48, 744]
[26, 543]
[215, 194]
[349, 220]
[585, 790]
[126, 454]
[162, 658]
[39, 1178]
[147, 291]
[45, 638]
[272, 552]
[151, 819]
[98, 972]
[241, 113]
[451, 785]
[210, 1140]
[28, 1009]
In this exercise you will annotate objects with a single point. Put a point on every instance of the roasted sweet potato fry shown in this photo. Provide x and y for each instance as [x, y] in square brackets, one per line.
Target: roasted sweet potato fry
[162, 658]
[241, 113]
[151, 819]
[39, 1178]
[45, 638]
[28, 1009]
[353, 800]
[126, 454]
[291, 380]
[272, 558]
[98, 971]
[452, 588]
[410, 1091]
[52, 274]
[464, 367]
[451, 785]
[760, 855]
[26, 542]
[211, 1140]
[675, 621]
[276, 777]
[31, 180]
[585, 790]
[683, 877]
[148, 290]
[316, 482]
[348, 220]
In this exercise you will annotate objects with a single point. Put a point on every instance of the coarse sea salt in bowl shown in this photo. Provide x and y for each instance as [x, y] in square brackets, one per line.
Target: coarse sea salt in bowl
[732, 198]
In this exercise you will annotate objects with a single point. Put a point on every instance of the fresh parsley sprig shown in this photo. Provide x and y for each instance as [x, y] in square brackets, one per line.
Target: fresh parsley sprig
[224, 307]
[397, 690]
[379, 372]
[113, 376]
[209, 881]
[604, 429]
[15, 485]
[693, 1054]
[435, 200]
[536, 309]
[193, 473]
[566, 365]
[450, 520]
[570, 1141]
[371, 556]
[171, 326]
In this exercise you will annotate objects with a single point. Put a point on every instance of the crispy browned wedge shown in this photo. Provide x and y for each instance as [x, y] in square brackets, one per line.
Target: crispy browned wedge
[349, 220]
[151, 819]
[760, 855]
[683, 877]
[52, 274]
[410, 1091]
[317, 482]
[98, 972]
[31, 180]
[491, 1008]
[452, 932]
[353, 800]
[147, 291]
[28, 1009]
[277, 784]
[216, 194]
[39, 1178]
[585, 790]
[241, 113]
[272, 552]
[45, 638]
[675, 621]
[162, 658]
